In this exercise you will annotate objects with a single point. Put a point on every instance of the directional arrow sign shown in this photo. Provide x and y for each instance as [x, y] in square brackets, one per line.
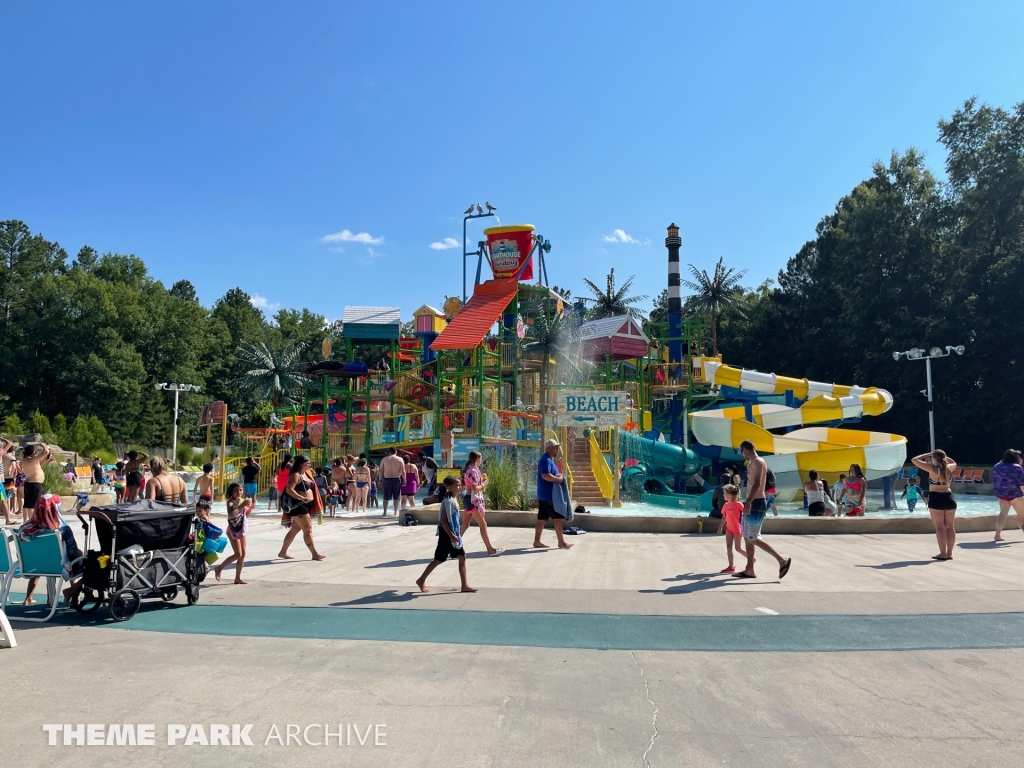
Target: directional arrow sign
[595, 407]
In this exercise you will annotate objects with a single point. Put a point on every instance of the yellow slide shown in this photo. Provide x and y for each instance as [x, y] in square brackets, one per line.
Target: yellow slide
[828, 450]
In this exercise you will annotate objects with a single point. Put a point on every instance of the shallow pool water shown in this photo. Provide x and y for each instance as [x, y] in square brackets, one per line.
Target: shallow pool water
[967, 504]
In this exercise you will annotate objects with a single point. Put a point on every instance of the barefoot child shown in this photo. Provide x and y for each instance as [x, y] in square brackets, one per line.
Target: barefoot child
[911, 494]
[732, 511]
[120, 481]
[449, 543]
[203, 489]
[239, 509]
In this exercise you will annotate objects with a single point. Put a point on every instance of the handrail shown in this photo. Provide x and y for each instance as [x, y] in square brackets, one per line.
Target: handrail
[602, 472]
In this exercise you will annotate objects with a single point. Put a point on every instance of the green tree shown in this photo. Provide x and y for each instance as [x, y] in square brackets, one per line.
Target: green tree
[714, 292]
[13, 426]
[39, 423]
[60, 429]
[611, 301]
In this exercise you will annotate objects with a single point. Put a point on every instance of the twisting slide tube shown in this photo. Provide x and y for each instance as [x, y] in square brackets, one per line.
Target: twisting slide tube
[828, 450]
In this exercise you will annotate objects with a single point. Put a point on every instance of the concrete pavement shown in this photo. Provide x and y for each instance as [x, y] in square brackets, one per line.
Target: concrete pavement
[455, 704]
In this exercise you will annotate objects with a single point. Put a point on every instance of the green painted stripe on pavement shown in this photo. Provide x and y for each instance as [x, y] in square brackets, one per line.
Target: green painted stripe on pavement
[601, 631]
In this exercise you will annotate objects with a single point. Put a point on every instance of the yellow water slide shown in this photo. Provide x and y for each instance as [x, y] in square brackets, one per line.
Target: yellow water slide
[828, 450]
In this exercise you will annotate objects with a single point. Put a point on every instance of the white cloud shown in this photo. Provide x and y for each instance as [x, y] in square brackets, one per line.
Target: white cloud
[347, 236]
[444, 245]
[260, 301]
[619, 236]
[370, 257]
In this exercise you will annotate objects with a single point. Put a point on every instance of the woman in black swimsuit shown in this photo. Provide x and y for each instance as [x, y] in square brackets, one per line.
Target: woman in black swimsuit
[941, 504]
[164, 486]
[297, 501]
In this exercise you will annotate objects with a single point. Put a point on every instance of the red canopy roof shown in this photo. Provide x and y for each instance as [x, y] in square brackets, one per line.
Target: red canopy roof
[468, 328]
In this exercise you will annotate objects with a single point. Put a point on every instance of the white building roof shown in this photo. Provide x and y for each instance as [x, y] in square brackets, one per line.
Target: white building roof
[609, 326]
[373, 315]
[427, 308]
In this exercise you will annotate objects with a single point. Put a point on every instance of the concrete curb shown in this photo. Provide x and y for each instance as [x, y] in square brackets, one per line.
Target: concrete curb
[772, 525]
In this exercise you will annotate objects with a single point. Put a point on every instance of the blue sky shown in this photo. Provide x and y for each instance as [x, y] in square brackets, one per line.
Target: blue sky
[224, 141]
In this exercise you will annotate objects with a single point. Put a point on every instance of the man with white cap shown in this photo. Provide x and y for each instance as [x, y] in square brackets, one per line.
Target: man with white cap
[547, 476]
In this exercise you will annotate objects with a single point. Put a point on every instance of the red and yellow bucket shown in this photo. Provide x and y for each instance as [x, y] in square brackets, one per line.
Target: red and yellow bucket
[510, 248]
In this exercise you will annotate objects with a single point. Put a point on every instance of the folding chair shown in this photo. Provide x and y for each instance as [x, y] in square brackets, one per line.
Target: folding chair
[957, 476]
[979, 475]
[44, 556]
[8, 566]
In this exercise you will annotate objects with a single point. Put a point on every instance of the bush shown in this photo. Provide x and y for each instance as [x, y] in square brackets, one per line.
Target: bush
[54, 480]
[506, 488]
[13, 426]
[187, 455]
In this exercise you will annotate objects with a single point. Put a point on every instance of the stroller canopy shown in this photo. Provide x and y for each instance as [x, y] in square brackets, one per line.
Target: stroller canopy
[148, 523]
[142, 509]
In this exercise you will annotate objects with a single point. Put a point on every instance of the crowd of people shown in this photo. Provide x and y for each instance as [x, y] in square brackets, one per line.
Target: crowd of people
[302, 491]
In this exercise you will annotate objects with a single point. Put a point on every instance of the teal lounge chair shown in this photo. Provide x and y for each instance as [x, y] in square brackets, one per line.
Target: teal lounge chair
[43, 556]
[8, 565]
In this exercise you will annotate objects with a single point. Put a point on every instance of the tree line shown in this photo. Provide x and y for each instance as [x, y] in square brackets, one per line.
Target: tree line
[906, 259]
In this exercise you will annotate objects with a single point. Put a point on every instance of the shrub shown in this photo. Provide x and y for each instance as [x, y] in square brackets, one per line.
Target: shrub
[54, 480]
[506, 488]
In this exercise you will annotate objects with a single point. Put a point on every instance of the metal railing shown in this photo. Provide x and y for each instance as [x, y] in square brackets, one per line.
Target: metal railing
[602, 472]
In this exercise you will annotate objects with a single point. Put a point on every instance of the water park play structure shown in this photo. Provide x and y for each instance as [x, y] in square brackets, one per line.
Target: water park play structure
[496, 373]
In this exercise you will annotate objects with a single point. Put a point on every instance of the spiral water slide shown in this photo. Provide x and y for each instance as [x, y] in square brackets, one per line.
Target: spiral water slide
[828, 450]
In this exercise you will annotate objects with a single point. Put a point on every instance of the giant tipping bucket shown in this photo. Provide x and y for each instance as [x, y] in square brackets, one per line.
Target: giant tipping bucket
[510, 249]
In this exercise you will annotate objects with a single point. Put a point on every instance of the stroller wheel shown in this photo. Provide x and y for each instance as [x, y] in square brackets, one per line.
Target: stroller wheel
[87, 601]
[192, 593]
[124, 604]
[168, 594]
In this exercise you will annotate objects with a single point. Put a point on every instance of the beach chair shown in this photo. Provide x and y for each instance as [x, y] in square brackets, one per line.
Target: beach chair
[979, 476]
[912, 472]
[957, 475]
[44, 556]
[8, 565]
[900, 475]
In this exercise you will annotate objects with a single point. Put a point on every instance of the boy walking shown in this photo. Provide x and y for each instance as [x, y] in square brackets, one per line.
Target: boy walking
[203, 489]
[911, 494]
[449, 542]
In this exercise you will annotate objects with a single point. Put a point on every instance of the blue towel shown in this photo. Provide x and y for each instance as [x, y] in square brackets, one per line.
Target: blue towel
[560, 500]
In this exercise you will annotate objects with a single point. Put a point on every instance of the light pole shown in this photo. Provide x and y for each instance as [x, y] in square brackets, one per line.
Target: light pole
[933, 353]
[176, 389]
[465, 218]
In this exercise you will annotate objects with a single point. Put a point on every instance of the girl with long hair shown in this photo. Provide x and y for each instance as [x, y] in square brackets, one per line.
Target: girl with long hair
[941, 504]
[854, 491]
[474, 483]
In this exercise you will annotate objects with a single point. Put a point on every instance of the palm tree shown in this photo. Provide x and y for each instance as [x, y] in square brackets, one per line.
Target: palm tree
[713, 293]
[549, 334]
[271, 376]
[611, 302]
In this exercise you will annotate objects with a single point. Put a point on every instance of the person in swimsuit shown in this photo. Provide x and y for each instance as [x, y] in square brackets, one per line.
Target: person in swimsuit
[299, 491]
[5, 489]
[283, 470]
[941, 504]
[239, 509]
[374, 474]
[1008, 486]
[854, 490]
[203, 488]
[754, 509]
[814, 492]
[911, 493]
[350, 483]
[474, 483]
[119, 482]
[411, 484]
[133, 460]
[164, 486]
[362, 478]
[33, 459]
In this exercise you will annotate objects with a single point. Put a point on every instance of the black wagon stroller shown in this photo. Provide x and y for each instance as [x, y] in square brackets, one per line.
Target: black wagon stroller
[146, 550]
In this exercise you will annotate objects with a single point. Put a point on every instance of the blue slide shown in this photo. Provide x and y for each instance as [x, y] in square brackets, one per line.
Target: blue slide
[653, 479]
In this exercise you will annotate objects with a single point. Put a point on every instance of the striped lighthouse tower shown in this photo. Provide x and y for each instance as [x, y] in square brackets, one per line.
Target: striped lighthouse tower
[675, 304]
